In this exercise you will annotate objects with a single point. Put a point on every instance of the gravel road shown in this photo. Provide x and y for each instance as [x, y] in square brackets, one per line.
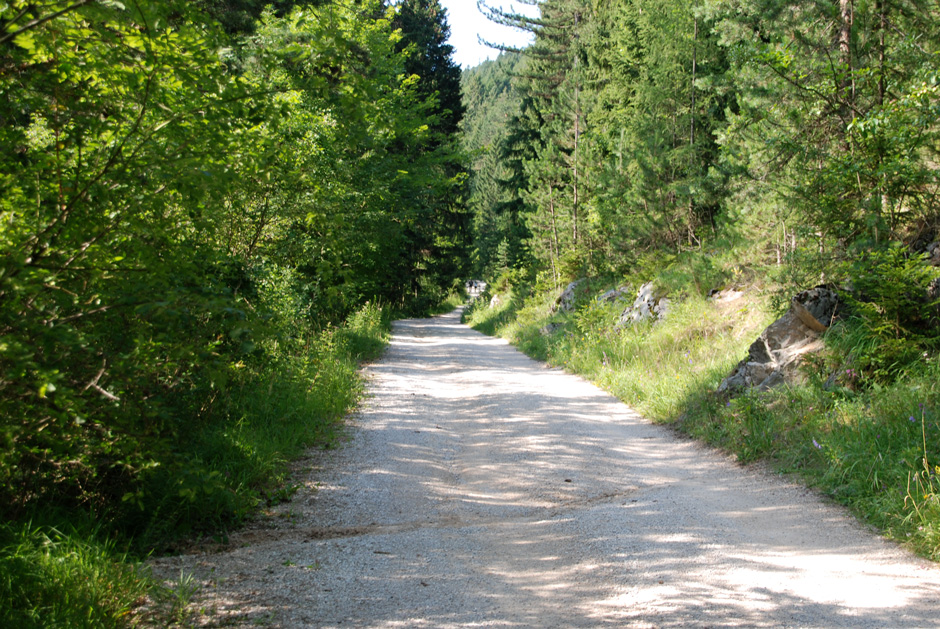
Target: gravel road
[480, 488]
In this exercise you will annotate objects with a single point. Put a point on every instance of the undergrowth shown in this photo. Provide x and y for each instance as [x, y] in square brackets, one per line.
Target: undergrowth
[863, 427]
[50, 578]
[223, 470]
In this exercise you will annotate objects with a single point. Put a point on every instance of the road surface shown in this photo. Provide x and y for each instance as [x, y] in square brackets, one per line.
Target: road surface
[480, 488]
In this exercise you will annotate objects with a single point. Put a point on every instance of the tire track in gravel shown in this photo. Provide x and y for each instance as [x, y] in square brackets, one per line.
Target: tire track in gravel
[480, 488]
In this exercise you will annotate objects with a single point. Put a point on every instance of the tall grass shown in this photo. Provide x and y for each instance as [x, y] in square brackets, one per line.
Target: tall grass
[656, 368]
[874, 449]
[226, 466]
[53, 579]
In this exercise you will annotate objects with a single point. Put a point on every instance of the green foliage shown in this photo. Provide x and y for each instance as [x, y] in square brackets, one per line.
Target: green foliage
[891, 323]
[51, 579]
[498, 213]
[190, 210]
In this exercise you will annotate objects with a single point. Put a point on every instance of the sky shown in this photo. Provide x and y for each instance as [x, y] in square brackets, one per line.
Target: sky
[466, 22]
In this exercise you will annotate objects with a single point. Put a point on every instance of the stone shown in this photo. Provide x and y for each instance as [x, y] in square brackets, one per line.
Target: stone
[548, 330]
[650, 303]
[495, 302]
[774, 358]
[565, 301]
[612, 295]
[726, 295]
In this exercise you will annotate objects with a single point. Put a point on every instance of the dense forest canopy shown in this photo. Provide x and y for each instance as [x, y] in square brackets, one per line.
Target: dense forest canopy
[193, 193]
[651, 123]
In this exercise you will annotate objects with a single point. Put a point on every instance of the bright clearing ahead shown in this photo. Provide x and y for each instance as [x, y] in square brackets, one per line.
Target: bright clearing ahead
[467, 25]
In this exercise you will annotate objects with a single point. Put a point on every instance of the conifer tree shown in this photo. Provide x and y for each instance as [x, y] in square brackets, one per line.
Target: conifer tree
[439, 223]
[552, 82]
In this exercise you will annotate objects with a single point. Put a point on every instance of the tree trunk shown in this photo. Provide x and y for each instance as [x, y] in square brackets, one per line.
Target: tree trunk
[551, 207]
[847, 14]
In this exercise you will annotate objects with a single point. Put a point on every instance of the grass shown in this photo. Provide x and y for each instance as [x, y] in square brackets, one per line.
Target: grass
[50, 578]
[872, 449]
[229, 466]
[653, 367]
[868, 442]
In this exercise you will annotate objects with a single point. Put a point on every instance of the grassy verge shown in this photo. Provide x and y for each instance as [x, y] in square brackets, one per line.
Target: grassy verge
[656, 369]
[53, 579]
[88, 573]
[871, 445]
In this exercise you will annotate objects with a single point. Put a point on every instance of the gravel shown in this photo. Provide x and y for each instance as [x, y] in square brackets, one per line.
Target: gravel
[480, 488]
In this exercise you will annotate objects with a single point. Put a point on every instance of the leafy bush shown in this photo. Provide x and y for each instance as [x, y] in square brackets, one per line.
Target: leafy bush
[892, 321]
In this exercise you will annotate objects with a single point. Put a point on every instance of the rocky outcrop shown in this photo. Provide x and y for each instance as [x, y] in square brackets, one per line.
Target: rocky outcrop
[933, 254]
[565, 301]
[650, 303]
[612, 295]
[774, 358]
[726, 295]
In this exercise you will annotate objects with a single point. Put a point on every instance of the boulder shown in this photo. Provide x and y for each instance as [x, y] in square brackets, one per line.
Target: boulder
[726, 295]
[565, 301]
[548, 330]
[612, 295]
[650, 303]
[774, 358]
[933, 253]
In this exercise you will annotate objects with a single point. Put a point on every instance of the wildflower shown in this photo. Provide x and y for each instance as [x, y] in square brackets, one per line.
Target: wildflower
[728, 404]
[816, 444]
[911, 419]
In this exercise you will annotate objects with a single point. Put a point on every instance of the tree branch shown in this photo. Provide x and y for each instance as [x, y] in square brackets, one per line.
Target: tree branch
[42, 20]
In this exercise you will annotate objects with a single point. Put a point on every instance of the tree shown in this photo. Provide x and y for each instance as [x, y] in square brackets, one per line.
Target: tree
[837, 103]
[553, 82]
[425, 31]
[497, 177]
[439, 223]
[181, 216]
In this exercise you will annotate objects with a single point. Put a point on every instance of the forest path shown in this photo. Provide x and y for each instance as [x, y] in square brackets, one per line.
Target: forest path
[482, 489]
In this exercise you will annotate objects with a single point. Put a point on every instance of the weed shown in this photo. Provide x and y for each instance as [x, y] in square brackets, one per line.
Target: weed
[180, 594]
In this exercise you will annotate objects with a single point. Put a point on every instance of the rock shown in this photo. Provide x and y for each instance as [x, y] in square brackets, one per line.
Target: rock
[726, 295]
[774, 358]
[612, 295]
[649, 304]
[548, 330]
[565, 301]
[933, 251]
[496, 302]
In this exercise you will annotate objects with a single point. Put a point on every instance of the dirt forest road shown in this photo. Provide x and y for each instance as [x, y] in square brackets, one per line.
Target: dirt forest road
[482, 489]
